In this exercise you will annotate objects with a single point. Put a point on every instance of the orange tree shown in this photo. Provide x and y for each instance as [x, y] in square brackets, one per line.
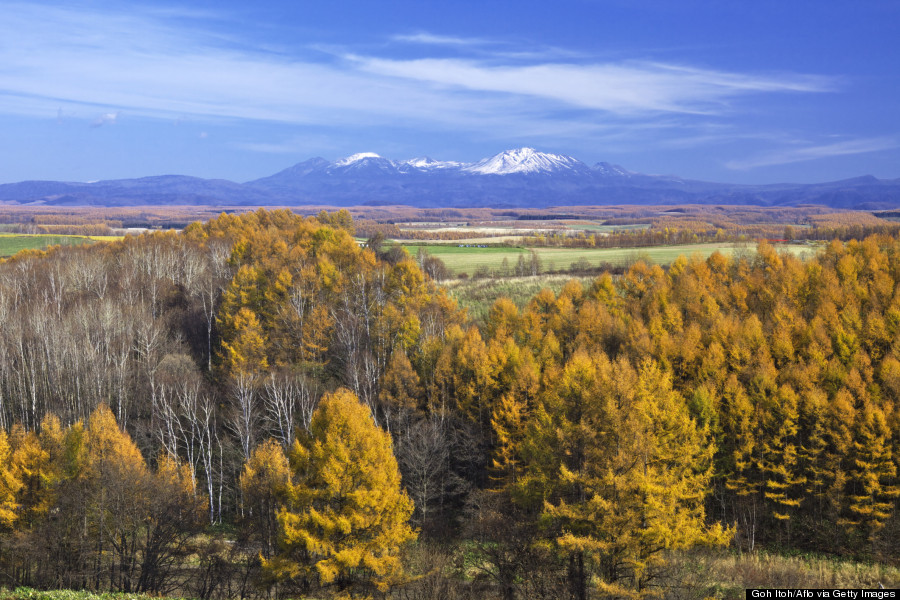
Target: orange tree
[346, 518]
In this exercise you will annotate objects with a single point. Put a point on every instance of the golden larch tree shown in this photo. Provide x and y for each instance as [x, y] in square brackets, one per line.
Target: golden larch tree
[347, 516]
[9, 484]
[633, 473]
[264, 483]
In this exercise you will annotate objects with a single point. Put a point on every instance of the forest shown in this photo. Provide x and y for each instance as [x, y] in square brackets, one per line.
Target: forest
[259, 406]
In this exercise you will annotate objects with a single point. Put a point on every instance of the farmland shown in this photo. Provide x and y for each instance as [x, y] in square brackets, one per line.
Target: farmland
[468, 258]
[12, 243]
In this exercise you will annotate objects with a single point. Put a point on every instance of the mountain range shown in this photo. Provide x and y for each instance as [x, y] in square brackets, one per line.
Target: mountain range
[523, 178]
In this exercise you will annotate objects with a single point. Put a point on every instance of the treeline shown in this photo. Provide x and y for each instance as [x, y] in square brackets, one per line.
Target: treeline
[625, 238]
[66, 224]
[29, 218]
[368, 228]
[569, 446]
[676, 231]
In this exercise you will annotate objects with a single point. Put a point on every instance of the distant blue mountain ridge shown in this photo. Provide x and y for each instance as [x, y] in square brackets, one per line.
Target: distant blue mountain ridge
[520, 178]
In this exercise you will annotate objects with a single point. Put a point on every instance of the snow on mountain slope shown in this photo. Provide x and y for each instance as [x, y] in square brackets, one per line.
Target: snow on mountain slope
[521, 160]
[363, 164]
[526, 160]
[425, 163]
[354, 158]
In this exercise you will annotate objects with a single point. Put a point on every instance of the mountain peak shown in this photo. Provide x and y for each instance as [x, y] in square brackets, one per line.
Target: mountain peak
[355, 158]
[525, 160]
[428, 163]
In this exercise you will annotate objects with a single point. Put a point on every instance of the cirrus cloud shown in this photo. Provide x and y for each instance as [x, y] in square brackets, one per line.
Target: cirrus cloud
[624, 88]
[154, 64]
[807, 153]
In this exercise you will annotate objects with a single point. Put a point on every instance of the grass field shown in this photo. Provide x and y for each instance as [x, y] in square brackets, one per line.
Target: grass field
[11, 243]
[478, 295]
[691, 575]
[467, 260]
[724, 575]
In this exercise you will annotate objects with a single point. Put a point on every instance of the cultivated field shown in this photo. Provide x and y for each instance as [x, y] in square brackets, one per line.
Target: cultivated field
[469, 258]
[12, 243]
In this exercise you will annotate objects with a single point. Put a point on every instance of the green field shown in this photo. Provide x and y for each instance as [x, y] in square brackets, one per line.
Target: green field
[12, 243]
[467, 260]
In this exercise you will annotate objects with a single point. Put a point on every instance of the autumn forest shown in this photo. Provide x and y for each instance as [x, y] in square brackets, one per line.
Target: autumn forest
[262, 406]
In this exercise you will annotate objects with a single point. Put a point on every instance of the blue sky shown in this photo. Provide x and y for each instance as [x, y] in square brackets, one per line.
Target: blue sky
[722, 90]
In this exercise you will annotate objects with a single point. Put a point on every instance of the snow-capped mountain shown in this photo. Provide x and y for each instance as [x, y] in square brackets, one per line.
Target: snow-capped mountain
[426, 163]
[519, 160]
[364, 162]
[523, 177]
[363, 170]
[526, 160]
[355, 158]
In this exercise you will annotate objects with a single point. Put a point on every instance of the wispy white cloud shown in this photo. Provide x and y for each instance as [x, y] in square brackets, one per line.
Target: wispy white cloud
[53, 57]
[807, 153]
[738, 82]
[154, 64]
[433, 39]
[491, 49]
[624, 88]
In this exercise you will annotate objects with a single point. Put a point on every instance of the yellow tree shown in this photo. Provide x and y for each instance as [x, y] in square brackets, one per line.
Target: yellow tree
[116, 491]
[873, 488]
[264, 482]
[816, 508]
[473, 383]
[780, 452]
[739, 446]
[346, 519]
[509, 416]
[632, 474]
[246, 353]
[9, 484]
[401, 389]
[35, 472]
[244, 291]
